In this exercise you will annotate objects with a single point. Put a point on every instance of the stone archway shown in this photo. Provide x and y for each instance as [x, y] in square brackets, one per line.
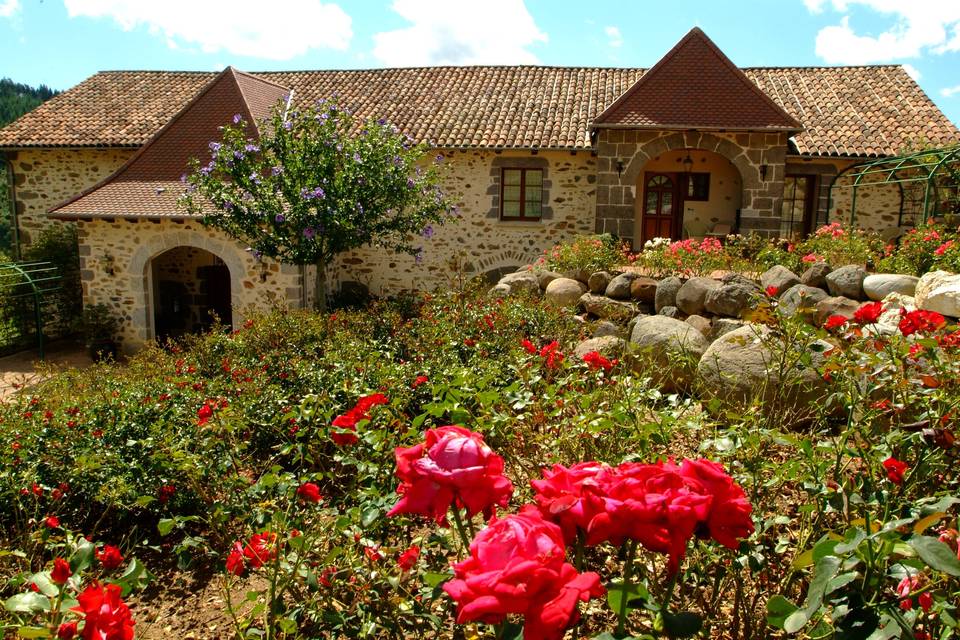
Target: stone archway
[189, 287]
[692, 140]
[141, 274]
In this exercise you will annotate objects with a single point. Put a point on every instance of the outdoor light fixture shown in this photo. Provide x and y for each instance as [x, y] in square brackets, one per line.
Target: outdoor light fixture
[687, 163]
[619, 168]
[763, 172]
[108, 264]
[264, 270]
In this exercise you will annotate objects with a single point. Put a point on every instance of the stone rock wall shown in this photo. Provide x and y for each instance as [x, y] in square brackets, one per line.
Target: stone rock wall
[878, 205]
[43, 178]
[116, 270]
[476, 242]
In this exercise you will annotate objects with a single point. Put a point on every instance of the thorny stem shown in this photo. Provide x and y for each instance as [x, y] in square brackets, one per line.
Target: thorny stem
[627, 574]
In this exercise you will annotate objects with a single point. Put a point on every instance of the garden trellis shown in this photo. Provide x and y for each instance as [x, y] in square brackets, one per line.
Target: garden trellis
[935, 171]
[25, 285]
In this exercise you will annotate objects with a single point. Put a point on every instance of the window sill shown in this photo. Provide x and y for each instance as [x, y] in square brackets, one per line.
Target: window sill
[521, 223]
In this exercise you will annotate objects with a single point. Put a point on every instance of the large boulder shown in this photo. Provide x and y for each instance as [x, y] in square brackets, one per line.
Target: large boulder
[723, 326]
[939, 291]
[546, 277]
[692, 296]
[521, 282]
[778, 277]
[878, 286]
[619, 287]
[847, 281]
[672, 348]
[605, 345]
[816, 275]
[670, 312]
[666, 295]
[834, 306]
[644, 289]
[564, 292]
[801, 299]
[756, 363]
[598, 281]
[605, 328]
[577, 274]
[699, 323]
[735, 295]
[608, 309]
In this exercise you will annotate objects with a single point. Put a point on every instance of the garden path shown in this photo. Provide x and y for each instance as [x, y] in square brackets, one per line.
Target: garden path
[25, 369]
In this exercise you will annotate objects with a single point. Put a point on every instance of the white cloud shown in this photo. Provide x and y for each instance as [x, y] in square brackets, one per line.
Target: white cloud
[615, 37]
[949, 92]
[919, 26]
[8, 7]
[912, 71]
[444, 32]
[280, 30]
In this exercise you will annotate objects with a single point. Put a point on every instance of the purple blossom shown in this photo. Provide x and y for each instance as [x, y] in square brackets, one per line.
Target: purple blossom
[309, 233]
[418, 256]
[206, 169]
[238, 154]
[279, 217]
[214, 147]
[251, 148]
[275, 171]
[381, 121]
[183, 178]
[410, 183]
[427, 232]
[357, 158]
[310, 194]
[227, 205]
[288, 125]
[237, 118]
[254, 178]
[439, 157]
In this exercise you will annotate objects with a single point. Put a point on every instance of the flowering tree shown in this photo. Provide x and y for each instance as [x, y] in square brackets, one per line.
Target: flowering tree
[315, 184]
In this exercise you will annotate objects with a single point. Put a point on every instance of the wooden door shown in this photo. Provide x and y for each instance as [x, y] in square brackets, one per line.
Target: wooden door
[660, 206]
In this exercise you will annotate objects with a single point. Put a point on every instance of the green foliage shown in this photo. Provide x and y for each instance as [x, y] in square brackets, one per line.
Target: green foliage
[839, 246]
[17, 99]
[585, 254]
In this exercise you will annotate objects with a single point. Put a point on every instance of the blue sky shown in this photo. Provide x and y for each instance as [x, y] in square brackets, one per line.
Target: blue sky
[61, 42]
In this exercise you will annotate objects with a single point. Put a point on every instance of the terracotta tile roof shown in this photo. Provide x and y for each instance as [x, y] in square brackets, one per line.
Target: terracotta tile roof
[149, 183]
[696, 86]
[845, 111]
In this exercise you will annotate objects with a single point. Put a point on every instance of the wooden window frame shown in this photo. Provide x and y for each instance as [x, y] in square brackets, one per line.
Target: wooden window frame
[688, 183]
[523, 195]
[807, 220]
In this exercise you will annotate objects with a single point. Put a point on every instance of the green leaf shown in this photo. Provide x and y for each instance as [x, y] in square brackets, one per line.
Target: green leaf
[45, 584]
[165, 526]
[778, 609]
[29, 602]
[840, 581]
[825, 569]
[796, 621]
[82, 557]
[369, 516]
[143, 501]
[936, 554]
[637, 594]
[681, 625]
[33, 632]
[435, 579]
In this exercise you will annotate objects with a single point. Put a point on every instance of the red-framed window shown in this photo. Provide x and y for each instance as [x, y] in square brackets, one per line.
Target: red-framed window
[521, 194]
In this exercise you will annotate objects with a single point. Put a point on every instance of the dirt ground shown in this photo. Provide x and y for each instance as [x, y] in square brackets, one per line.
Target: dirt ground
[20, 369]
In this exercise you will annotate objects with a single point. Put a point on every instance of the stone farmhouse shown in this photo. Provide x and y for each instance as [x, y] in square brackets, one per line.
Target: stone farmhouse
[690, 147]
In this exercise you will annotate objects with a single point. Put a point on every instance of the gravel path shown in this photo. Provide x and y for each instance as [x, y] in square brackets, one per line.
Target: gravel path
[19, 370]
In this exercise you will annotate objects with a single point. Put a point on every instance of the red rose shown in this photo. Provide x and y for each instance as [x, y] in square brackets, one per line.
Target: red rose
[346, 424]
[528, 346]
[204, 413]
[110, 557]
[868, 313]
[453, 464]
[408, 559]
[729, 518]
[235, 561]
[518, 565]
[920, 320]
[835, 322]
[551, 354]
[895, 470]
[772, 291]
[52, 522]
[562, 496]
[166, 492]
[260, 549]
[419, 381]
[597, 361]
[61, 571]
[106, 616]
[309, 492]
[373, 553]
[67, 631]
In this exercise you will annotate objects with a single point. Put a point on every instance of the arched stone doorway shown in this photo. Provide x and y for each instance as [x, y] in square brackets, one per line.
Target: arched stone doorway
[687, 193]
[189, 286]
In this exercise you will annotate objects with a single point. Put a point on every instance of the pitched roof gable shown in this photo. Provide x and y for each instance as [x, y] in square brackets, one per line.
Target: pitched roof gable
[149, 182]
[696, 86]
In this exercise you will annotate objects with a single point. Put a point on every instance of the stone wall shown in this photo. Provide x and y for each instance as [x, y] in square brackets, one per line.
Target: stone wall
[43, 178]
[476, 241]
[116, 270]
[878, 205]
[623, 153]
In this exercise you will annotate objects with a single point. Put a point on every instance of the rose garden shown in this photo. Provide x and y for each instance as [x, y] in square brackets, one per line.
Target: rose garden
[741, 439]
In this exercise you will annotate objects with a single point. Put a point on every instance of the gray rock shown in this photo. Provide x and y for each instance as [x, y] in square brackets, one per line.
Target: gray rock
[723, 326]
[834, 306]
[619, 287]
[577, 274]
[755, 363]
[644, 289]
[780, 277]
[598, 281]
[699, 323]
[521, 282]
[878, 286]
[546, 277]
[499, 290]
[564, 292]
[666, 295]
[606, 345]
[605, 328]
[732, 297]
[670, 347]
[608, 309]
[816, 275]
[939, 291]
[692, 296]
[847, 281]
[670, 312]
[801, 299]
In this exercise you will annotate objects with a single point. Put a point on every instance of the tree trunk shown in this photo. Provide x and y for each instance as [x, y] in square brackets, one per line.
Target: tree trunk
[320, 286]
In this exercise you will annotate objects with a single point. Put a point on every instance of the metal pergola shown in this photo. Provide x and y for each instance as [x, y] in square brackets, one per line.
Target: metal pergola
[30, 280]
[924, 168]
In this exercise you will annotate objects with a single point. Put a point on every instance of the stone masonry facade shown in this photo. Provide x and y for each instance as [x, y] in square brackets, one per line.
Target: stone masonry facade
[622, 154]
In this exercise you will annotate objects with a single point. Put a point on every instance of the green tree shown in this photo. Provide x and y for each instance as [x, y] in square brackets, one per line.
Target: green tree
[315, 184]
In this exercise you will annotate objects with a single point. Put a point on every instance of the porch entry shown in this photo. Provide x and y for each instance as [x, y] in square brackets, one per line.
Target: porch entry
[190, 286]
[662, 206]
